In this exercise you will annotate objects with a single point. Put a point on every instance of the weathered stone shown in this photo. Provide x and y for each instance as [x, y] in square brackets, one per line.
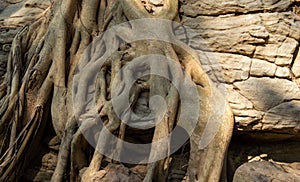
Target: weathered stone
[233, 67]
[270, 110]
[248, 123]
[283, 72]
[269, 41]
[297, 81]
[10, 9]
[248, 113]
[266, 171]
[275, 51]
[296, 65]
[266, 36]
[211, 66]
[266, 93]
[22, 12]
[217, 7]
[282, 25]
[243, 150]
[115, 172]
[49, 161]
[283, 118]
[267, 52]
[262, 68]
[288, 47]
[232, 34]
[236, 100]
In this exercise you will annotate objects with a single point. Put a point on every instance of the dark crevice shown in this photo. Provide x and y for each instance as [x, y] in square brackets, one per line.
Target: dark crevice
[243, 149]
[294, 7]
[294, 56]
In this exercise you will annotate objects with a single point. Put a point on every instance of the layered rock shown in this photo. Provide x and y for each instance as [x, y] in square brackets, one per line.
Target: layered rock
[252, 48]
[219, 7]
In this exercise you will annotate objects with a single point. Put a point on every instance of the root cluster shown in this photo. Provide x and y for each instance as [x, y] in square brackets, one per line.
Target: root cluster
[40, 82]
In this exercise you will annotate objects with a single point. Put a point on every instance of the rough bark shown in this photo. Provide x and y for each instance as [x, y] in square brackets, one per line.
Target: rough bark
[39, 80]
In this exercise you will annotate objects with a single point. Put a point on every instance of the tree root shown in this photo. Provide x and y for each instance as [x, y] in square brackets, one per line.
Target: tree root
[64, 151]
[28, 132]
[42, 63]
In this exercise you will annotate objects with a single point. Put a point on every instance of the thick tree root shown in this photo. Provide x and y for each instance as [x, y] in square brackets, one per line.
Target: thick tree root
[44, 59]
[64, 151]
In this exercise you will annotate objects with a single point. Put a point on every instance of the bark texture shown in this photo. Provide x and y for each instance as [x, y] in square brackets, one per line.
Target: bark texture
[39, 83]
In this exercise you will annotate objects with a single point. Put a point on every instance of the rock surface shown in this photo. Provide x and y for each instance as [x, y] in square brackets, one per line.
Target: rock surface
[245, 149]
[219, 7]
[266, 172]
[253, 49]
[116, 173]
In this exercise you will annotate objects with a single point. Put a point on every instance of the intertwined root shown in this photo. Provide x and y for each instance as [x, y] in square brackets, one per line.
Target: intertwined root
[154, 85]
[40, 75]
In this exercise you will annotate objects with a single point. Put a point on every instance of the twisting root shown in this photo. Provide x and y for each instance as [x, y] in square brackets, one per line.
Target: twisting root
[27, 133]
[43, 61]
[65, 147]
[106, 109]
